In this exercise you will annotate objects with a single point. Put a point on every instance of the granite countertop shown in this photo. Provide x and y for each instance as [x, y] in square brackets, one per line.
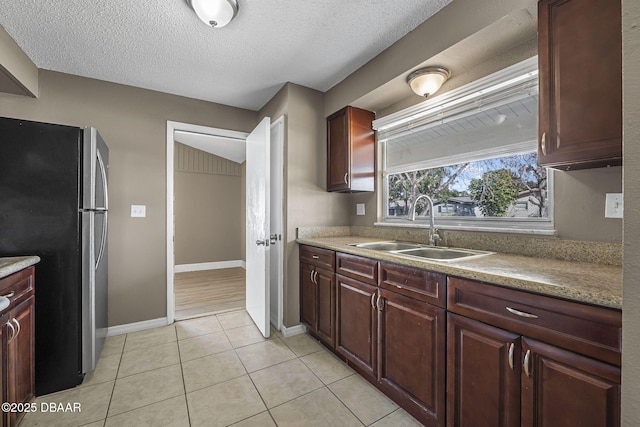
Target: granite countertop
[596, 284]
[10, 265]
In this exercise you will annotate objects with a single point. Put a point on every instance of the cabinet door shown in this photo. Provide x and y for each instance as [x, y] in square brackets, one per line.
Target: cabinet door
[350, 150]
[338, 152]
[411, 351]
[483, 374]
[564, 389]
[357, 323]
[326, 292]
[308, 297]
[20, 357]
[580, 63]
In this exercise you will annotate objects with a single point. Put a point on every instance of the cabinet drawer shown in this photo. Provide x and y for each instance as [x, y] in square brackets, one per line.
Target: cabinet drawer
[323, 258]
[18, 286]
[359, 268]
[592, 331]
[422, 285]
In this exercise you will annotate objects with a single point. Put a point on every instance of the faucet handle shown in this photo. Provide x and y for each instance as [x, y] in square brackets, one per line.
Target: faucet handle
[435, 237]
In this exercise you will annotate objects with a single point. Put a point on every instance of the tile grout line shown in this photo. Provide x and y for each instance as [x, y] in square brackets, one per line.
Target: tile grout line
[106, 416]
[184, 386]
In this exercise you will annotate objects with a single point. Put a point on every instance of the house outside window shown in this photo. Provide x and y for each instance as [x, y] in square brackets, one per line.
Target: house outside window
[474, 152]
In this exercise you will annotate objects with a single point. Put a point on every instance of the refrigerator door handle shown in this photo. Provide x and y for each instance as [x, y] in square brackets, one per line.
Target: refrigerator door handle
[105, 184]
[103, 242]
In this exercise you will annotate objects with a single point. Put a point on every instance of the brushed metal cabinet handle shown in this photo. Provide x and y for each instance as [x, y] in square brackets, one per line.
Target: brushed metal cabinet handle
[311, 276]
[380, 304]
[511, 356]
[13, 331]
[543, 143]
[346, 178]
[521, 313]
[315, 257]
[14, 320]
[315, 276]
[526, 363]
[373, 301]
[9, 295]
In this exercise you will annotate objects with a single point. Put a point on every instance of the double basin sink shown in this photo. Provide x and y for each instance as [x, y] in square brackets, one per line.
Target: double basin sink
[434, 253]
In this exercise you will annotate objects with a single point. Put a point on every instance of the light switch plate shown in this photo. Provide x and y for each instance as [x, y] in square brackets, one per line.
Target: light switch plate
[360, 209]
[138, 211]
[614, 205]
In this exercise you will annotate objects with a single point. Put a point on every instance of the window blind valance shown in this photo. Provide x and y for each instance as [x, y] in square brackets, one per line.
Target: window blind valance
[493, 116]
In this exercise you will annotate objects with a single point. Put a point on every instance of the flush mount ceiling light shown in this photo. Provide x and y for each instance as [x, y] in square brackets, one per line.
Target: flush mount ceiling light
[215, 13]
[427, 81]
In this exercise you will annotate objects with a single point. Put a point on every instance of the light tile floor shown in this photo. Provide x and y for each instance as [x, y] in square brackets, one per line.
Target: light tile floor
[219, 371]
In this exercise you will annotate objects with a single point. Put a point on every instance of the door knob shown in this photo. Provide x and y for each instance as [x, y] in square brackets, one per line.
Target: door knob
[274, 238]
[262, 242]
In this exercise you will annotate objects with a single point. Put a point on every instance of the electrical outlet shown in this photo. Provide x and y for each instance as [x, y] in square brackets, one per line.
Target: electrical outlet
[360, 209]
[614, 205]
[138, 211]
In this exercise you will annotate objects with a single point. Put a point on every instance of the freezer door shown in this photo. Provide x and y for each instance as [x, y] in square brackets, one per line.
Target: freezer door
[95, 159]
[94, 287]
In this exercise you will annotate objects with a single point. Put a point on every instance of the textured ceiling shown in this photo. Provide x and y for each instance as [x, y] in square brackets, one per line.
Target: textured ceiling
[162, 45]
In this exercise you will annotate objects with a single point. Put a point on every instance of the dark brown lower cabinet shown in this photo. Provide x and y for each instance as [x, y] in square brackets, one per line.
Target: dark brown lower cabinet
[483, 375]
[357, 324]
[17, 339]
[20, 360]
[318, 297]
[412, 355]
[498, 378]
[561, 388]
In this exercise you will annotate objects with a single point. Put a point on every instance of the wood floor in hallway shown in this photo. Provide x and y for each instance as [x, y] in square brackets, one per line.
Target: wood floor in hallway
[209, 291]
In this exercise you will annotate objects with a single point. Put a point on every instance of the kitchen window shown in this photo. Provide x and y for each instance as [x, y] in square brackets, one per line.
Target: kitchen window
[473, 150]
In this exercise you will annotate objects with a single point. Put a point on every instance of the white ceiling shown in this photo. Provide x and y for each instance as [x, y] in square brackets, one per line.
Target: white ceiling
[233, 149]
[162, 45]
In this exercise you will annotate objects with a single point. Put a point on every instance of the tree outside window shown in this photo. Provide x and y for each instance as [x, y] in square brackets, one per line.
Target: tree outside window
[510, 186]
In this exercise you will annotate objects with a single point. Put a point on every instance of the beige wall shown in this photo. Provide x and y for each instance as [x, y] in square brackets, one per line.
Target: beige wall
[631, 292]
[133, 123]
[207, 207]
[307, 202]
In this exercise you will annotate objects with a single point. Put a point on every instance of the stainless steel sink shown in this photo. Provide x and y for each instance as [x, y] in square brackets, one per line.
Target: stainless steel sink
[388, 246]
[436, 253]
[444, 254]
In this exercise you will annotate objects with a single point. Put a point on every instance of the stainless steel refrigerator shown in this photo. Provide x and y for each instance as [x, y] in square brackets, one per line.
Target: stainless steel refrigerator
[54, 204]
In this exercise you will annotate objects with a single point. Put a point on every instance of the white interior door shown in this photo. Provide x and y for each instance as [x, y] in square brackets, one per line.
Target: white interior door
[276, 250]
[258, 217]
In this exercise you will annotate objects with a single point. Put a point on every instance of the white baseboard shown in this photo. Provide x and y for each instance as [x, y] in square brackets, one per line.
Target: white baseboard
[137, 326]
[293, 330]
[182, 268]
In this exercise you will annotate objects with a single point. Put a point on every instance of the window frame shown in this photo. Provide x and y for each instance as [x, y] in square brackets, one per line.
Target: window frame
[421, 113]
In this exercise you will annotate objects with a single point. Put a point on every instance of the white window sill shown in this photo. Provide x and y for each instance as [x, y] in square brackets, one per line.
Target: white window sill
[507, 228]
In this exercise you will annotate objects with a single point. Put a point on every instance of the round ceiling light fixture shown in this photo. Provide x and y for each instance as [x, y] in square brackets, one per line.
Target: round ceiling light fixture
[215, 13]
[427, 81]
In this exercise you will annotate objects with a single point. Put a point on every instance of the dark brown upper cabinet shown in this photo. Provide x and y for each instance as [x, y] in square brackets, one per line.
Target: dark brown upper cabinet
[580, 63]
[350, 151]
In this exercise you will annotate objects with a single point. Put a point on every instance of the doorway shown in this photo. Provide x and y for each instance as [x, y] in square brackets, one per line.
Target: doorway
[229, 145]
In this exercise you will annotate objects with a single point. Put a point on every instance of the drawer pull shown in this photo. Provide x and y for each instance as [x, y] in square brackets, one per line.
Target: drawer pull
[9, 295]
[526, 363]
[521, 313]
[315, 257]
[511, 356]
